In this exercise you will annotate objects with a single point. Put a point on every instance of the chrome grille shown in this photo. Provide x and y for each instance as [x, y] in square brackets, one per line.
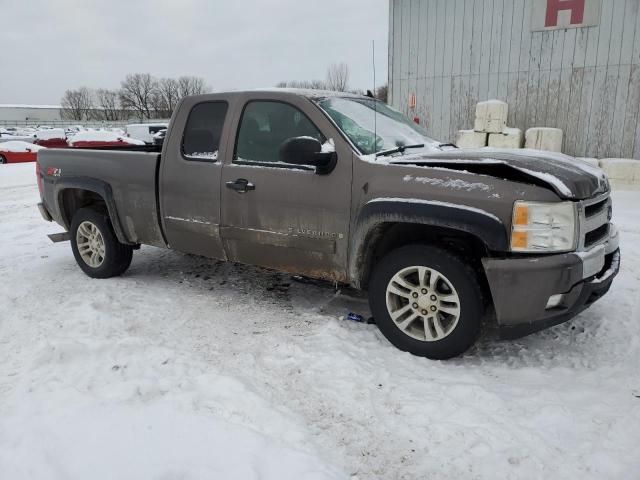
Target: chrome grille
[594, 216]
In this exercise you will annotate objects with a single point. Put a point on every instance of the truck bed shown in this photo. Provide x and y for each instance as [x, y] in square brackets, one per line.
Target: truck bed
[128, 178]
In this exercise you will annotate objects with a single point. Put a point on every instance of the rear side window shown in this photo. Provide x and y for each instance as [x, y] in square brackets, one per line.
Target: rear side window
[201, 138]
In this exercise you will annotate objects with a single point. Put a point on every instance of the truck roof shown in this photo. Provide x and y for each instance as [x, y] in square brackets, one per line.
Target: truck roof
[302, 92]
[308, 92]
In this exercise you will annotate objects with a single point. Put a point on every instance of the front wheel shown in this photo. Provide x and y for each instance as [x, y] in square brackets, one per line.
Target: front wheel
[3, 159]
[95, 246]
[426, 301]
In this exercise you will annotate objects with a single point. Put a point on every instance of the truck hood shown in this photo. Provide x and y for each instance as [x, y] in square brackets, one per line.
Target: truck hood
[568, 177]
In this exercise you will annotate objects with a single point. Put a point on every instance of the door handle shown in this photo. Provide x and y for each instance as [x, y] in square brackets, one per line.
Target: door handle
[241, 185]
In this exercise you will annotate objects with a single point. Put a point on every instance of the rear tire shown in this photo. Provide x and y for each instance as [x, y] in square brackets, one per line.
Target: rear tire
[95, 246]
[434, 297]
[3, 159]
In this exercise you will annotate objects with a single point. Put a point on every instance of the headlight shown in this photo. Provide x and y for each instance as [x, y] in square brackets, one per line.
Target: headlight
[543, 227]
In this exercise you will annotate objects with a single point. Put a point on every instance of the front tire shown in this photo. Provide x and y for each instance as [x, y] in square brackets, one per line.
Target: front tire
[3, 159]
[95, 246]
[426, 301]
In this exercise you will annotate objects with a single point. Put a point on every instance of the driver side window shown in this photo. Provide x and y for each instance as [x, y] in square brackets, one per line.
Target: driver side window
[265, 125]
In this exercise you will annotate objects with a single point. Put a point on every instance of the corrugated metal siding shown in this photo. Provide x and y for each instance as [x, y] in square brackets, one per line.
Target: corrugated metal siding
[586, 81]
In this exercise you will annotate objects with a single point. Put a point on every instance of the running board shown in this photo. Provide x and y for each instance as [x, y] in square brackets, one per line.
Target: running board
[59, 237]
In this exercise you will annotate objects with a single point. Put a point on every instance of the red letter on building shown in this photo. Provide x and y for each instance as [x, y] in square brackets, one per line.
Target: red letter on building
[554, 7]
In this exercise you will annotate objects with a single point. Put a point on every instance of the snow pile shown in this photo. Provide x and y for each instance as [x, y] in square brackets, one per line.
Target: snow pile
[18, 146]
[190, 368]
[131, 410]
[102, 136]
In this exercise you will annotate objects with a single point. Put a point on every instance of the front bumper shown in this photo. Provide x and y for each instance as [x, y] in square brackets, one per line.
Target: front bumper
[522, 287]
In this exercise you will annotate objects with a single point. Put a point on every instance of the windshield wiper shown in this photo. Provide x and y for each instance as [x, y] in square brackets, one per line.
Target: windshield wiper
[447, 145]
[399, 149]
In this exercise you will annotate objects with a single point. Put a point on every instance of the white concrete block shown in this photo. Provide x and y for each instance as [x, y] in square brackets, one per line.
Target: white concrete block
[591, 161]
[622, 185]
[471, 139]
[509, 138]
[491, 116]
[542, 138]
[621, 170]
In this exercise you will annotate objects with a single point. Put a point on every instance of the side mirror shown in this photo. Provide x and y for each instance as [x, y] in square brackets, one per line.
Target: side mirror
[308, 151]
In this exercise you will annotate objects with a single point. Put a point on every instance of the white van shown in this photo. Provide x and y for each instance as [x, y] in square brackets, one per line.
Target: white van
[144, 131]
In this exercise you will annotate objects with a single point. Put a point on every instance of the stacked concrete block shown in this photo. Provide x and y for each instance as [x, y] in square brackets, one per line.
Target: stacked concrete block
[490, 128]
[543, 138]
[491, 116]
[509, 138]
[471, 139]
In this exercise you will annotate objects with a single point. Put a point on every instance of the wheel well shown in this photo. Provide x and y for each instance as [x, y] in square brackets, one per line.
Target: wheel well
[386, 237]
[73, 199]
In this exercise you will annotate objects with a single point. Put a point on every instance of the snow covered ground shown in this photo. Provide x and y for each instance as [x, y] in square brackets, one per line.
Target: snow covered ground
[185, 368]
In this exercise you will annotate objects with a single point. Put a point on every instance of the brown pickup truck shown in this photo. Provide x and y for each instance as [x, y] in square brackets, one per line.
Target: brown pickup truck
[341, 187]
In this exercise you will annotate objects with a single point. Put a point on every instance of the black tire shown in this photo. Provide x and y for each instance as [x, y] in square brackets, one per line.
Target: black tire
[3, 159]
[117, 256]
[463, 279]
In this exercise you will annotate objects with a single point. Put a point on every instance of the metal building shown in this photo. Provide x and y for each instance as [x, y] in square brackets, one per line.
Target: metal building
[570, 64]
[11, 114]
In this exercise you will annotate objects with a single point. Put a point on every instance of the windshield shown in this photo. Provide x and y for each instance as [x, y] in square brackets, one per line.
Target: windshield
[358, 118]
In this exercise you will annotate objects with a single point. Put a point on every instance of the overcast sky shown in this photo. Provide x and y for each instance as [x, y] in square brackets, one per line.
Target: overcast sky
[49, 46]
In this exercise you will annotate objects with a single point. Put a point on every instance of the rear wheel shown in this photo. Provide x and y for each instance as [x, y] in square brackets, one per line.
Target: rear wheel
[3, 159]
[426, 301]
[95, 246]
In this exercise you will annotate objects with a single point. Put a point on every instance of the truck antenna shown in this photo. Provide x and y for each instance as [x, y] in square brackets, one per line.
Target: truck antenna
[375, 106]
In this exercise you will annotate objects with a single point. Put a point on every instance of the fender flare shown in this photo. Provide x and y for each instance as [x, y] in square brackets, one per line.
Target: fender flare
[99, 187]
[488, 228]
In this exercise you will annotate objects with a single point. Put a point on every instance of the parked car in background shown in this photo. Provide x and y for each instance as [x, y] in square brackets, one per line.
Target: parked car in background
[158, 138]
[144, 131]
[8, 130]
[51, 138]
[17, 151]
[26, 132]
[7, 137]
[101, 138]
[73, 129]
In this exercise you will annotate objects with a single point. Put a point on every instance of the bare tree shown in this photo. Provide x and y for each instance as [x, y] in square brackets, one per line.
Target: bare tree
[77, 104]
[166, 97]
[108, 101]
[338, 77]
[310, 84]
[318, 85]
[136, 93]
[192, 86]
[382, 93]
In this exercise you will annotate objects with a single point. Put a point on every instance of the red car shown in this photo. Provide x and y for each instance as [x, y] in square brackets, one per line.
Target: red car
[51, 138]
[92, 139]
[16, 151]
